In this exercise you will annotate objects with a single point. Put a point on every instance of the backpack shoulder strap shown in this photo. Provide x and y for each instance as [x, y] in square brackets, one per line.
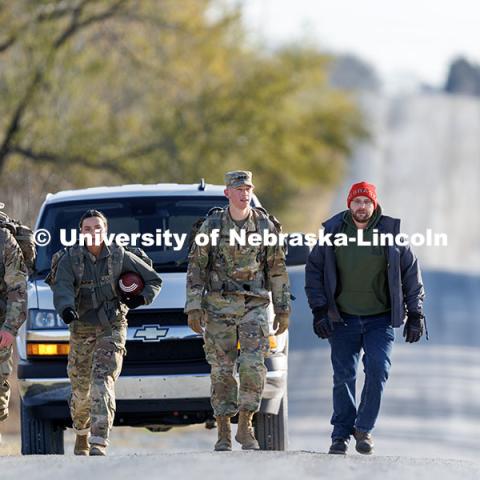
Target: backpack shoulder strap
[26, 241]
[115, 264]
[266, 220]
[3, 236]
[78, 263]
[50, 279]
[214, 217]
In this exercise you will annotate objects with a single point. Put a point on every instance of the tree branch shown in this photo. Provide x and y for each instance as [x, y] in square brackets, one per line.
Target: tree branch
[7, 43]
[113, 165]
[55, 158]
[53, 12]
[14, 124]
[74, 26]
[141, 151]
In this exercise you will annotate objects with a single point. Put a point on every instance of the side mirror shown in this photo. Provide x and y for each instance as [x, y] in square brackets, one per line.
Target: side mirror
[297, 254]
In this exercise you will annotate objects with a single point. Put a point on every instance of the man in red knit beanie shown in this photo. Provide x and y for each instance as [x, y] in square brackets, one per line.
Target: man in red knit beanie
[363, 189]
[357, 295]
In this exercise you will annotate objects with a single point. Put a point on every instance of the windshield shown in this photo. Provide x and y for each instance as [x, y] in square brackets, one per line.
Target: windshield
[131, 215]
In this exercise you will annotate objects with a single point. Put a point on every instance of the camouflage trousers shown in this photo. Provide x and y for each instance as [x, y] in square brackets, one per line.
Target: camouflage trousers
[6, 367]
[223, 334]
[94, 364]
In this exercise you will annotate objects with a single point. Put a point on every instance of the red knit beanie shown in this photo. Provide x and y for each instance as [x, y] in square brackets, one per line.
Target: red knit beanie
[363, 189]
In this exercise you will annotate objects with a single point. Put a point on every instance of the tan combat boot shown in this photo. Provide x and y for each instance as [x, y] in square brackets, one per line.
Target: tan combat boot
[98, 450]
[245, 434]
[3, 414]
[81, 445]
[224, 442]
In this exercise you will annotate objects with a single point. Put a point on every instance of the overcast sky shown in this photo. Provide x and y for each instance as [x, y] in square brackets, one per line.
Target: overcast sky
[398, 37]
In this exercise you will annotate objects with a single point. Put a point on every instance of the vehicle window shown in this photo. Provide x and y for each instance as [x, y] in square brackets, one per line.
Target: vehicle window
[131, 215]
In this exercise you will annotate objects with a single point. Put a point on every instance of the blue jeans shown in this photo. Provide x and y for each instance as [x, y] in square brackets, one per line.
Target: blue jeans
[375, 335]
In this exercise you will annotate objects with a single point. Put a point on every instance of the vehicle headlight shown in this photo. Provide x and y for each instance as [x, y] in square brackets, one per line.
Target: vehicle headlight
[44, 319]
[43, 350]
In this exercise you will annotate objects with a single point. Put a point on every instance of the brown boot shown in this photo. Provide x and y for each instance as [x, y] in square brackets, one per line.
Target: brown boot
[245, 434]
[364, 442]
[81, 445]
[224, 442]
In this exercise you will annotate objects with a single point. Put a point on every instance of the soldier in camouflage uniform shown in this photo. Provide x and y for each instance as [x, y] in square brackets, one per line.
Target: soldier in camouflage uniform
[92, 306]
[228, 292]
[13, 308]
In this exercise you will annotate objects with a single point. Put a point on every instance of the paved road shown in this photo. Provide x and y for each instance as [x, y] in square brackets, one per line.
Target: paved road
[431, 405]
[237, 465]
[430, 408]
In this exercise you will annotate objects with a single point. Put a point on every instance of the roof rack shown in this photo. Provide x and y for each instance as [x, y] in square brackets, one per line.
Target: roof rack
[202, 185]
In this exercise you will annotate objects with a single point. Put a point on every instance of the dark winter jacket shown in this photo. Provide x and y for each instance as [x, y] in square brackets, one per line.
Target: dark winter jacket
[404, 277]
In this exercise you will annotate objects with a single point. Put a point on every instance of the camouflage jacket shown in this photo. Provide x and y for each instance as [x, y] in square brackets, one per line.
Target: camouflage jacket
[13, 284]
[219, 277]
[96, 288]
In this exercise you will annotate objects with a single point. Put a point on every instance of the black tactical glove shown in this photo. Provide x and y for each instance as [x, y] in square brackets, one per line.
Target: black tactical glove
[134, 302]
[414, 327]
[69, 315]
[321, 324]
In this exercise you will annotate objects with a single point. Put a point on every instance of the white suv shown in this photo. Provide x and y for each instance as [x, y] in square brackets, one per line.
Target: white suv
[165, 378]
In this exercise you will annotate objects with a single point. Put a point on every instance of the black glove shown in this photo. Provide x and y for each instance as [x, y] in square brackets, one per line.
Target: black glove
[414, 327]
[69, 315]
[321, 324]
[134, 302]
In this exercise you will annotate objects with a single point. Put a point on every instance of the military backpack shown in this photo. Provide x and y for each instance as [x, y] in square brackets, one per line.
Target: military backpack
[24, 238]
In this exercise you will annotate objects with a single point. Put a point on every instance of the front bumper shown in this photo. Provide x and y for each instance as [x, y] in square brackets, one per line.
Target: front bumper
[144, 399]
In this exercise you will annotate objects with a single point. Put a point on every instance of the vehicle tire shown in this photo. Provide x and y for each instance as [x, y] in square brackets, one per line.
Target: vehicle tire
[271, 430]
[40, 436]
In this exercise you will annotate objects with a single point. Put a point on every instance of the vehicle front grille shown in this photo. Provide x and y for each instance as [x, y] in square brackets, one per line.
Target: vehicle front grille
[165, 351]
[138, 318]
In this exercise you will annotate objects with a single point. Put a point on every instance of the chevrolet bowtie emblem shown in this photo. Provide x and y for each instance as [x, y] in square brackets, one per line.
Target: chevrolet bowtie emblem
[151, 333]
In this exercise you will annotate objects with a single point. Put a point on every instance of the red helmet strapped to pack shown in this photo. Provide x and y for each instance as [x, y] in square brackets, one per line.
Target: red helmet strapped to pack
[131, 284]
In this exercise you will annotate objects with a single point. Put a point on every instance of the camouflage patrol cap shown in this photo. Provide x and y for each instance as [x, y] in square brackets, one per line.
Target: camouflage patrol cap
[237, 178]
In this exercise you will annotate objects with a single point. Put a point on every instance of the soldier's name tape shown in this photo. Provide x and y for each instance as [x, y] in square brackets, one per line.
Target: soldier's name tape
[177, 241]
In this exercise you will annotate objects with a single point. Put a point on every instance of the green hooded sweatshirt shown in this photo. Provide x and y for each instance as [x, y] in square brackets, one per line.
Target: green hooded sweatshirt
[362, 272]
